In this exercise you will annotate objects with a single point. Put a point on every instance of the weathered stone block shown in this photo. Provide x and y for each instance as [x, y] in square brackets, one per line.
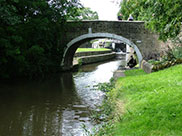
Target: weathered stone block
[147, 67]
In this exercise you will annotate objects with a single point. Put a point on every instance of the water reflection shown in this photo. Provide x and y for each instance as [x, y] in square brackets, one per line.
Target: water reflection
[55, 107]
[36, 108]
[86, 81]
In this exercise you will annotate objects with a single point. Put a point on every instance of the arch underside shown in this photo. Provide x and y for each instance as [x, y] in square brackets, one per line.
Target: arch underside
[74, 45]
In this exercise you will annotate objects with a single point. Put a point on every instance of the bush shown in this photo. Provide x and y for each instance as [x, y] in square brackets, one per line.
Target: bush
[31, 36]
[177, 52]
[173, 57]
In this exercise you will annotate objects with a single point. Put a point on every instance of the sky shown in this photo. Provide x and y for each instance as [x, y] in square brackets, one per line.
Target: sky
[106, 9]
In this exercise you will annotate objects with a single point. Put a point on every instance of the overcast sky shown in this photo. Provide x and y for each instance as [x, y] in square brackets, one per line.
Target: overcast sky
[106, 9]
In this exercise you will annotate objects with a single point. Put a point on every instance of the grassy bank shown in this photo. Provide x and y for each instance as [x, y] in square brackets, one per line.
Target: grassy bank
[91, 49]
[147, 104]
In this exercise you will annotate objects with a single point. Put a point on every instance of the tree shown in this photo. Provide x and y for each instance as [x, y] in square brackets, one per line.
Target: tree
[31, 35]
[161, 16]
[87, 14]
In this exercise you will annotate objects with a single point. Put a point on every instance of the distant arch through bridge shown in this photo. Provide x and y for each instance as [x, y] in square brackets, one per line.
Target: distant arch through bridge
[132, 33]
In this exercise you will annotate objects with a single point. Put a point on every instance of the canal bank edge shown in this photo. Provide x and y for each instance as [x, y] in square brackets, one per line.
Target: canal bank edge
[118, 74]
[92, 57]
[90, 53]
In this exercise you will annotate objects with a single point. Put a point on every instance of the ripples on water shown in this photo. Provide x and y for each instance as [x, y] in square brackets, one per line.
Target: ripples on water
[57, 107]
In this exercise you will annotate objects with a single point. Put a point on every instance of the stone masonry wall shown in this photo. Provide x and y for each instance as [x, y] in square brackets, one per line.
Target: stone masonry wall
[135, 31]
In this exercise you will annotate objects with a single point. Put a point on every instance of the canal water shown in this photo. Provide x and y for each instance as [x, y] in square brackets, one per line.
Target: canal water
[56, 107]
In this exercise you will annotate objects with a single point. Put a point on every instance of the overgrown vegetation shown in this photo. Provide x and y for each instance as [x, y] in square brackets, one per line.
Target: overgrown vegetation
[172, 57]
[161, 16]
[147, 104]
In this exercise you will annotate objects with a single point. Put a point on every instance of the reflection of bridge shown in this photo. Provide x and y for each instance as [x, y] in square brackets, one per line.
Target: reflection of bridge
[132, 33]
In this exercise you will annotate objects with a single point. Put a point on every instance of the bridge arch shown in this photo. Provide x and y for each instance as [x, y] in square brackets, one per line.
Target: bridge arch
[72, 46]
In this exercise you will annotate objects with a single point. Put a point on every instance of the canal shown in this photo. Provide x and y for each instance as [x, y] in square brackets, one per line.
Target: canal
[55, 107]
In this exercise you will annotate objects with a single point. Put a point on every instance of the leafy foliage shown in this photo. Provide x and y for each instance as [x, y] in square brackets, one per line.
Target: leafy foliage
[88, 14]
[106, 87]
[31, 35]
[172, 57]
[177, 52]
[162, 16]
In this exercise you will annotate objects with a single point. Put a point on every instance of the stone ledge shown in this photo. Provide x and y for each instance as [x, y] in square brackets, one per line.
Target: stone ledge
[113, 21]
[89, 53]
[94, 58]
[147, 67]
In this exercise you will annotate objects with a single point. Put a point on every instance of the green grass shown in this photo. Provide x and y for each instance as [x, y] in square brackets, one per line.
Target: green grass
[91, 49]
[151, 103]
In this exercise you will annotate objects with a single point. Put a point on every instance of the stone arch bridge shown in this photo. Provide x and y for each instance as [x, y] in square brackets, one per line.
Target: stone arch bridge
[133, 33]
